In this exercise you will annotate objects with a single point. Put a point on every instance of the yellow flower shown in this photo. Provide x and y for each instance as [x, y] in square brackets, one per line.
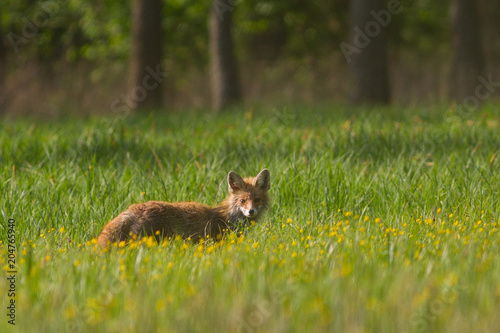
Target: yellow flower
[76, 263]
[61, 230]
[346, 270]
[70, 312]
[160, 305]
[191, 290]
[150, 242]
[422, 297]
[240, 239]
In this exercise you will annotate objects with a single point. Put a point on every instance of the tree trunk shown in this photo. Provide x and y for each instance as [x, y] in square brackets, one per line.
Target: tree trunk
[3, 60]
[3, 71]
[146, 76]
[224, 78]
[468, 62]
[369, 63]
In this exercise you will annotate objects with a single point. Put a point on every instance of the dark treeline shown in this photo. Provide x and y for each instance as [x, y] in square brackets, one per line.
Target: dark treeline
[111, 55]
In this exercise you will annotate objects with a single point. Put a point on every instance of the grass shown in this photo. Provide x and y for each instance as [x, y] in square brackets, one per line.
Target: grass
[382, 221]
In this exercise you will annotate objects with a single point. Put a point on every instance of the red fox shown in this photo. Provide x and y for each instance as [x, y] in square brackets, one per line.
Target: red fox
[248, 199]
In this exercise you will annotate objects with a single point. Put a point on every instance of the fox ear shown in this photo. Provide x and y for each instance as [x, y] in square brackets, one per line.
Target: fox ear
[235, 182]
[263, 180]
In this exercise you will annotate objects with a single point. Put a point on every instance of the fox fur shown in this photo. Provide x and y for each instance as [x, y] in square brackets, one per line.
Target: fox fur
[247, 201]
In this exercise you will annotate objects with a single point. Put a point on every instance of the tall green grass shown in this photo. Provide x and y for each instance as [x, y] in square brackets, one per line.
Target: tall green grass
[383, 220]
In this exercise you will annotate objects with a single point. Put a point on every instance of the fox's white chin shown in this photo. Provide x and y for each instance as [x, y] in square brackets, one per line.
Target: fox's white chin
[247, 213]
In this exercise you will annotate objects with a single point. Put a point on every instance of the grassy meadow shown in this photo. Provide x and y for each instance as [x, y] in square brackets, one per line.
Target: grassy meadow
[382, 220]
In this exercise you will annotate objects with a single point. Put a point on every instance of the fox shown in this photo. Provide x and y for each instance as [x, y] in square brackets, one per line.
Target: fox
[247, 201]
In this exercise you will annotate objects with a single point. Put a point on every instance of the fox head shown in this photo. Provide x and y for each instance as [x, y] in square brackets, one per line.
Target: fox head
[249, 197]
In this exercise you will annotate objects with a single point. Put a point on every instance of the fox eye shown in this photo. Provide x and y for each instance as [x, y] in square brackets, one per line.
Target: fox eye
[242, 201]
[257, 200]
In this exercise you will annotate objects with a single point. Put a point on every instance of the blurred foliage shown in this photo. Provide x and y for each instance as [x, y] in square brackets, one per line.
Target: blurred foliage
[264, 30]
[422, 26]
[292, 28]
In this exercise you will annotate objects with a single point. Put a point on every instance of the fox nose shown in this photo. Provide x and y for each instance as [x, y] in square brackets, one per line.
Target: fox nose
[251, 211]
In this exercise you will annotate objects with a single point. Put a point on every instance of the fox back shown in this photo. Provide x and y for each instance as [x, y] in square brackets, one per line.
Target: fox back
[247, 201]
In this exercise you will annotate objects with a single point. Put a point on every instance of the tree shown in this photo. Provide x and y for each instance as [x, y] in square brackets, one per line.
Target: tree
[224, 78]
[3, 60]
[468, 61]
[3, 68]
[369, 19]
[145, 61]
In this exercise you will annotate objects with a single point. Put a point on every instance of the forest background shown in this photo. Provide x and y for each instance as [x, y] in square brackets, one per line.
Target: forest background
[92, 56]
